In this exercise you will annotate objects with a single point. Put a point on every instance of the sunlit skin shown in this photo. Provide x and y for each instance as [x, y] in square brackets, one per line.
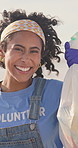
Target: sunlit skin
[22, 60]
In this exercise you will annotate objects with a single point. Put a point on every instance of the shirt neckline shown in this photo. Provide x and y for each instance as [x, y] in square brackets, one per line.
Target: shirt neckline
[19, 92]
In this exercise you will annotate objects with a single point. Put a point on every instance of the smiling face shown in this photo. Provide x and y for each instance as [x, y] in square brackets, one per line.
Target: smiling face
[23, 56]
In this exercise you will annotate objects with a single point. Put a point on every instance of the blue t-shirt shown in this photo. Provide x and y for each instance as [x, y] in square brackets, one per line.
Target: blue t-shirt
[14, 111]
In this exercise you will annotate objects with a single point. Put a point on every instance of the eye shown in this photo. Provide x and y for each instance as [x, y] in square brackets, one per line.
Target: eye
[34, 51]
[18, 49]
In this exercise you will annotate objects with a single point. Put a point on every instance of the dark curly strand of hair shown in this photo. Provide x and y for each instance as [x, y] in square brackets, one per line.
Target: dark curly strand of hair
[52, 46]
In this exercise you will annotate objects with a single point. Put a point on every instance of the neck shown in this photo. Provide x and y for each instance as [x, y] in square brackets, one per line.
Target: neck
[11, 86]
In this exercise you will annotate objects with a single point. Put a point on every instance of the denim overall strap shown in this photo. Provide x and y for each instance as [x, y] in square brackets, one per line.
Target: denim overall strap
[36, 99]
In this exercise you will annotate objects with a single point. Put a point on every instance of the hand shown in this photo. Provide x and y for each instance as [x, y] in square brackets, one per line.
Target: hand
[71, 55]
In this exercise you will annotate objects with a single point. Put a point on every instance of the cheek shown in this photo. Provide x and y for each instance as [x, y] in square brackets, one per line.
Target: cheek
[8, 60]
[37, 59]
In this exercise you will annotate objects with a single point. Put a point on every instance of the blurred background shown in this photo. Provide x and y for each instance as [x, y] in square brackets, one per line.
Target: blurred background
[64, 10]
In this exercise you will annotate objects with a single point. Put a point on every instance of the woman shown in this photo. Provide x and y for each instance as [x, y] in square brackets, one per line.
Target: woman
[27, 43]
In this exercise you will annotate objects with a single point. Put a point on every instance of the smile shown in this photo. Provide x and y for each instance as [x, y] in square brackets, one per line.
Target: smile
[23, 69]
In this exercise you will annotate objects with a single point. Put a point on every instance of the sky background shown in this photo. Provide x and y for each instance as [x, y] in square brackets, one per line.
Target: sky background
[64, 10]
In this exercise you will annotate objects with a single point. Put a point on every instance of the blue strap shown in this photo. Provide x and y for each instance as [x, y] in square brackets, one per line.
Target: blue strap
[36, 99]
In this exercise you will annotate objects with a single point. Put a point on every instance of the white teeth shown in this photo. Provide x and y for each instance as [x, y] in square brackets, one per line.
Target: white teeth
[22, 69]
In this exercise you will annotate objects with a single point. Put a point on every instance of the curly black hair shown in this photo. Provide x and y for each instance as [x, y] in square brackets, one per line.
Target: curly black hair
[52, 46]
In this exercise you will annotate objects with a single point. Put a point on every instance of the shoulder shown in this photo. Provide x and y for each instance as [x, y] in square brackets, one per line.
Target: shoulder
[52, 84]
[52, 92]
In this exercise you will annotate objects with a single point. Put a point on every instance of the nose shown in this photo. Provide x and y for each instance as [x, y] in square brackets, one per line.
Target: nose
[25, 56]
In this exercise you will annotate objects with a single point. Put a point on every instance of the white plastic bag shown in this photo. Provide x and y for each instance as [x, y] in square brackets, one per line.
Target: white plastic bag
[68, 109]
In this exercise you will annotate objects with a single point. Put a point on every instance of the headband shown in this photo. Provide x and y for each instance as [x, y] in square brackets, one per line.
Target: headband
[20, 25]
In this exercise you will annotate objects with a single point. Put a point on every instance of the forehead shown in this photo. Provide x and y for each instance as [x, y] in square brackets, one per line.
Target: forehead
[26, 38]
[25, 35]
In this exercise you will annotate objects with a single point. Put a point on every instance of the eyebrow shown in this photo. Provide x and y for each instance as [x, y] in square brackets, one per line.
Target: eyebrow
[19, 45]
[33, 47]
